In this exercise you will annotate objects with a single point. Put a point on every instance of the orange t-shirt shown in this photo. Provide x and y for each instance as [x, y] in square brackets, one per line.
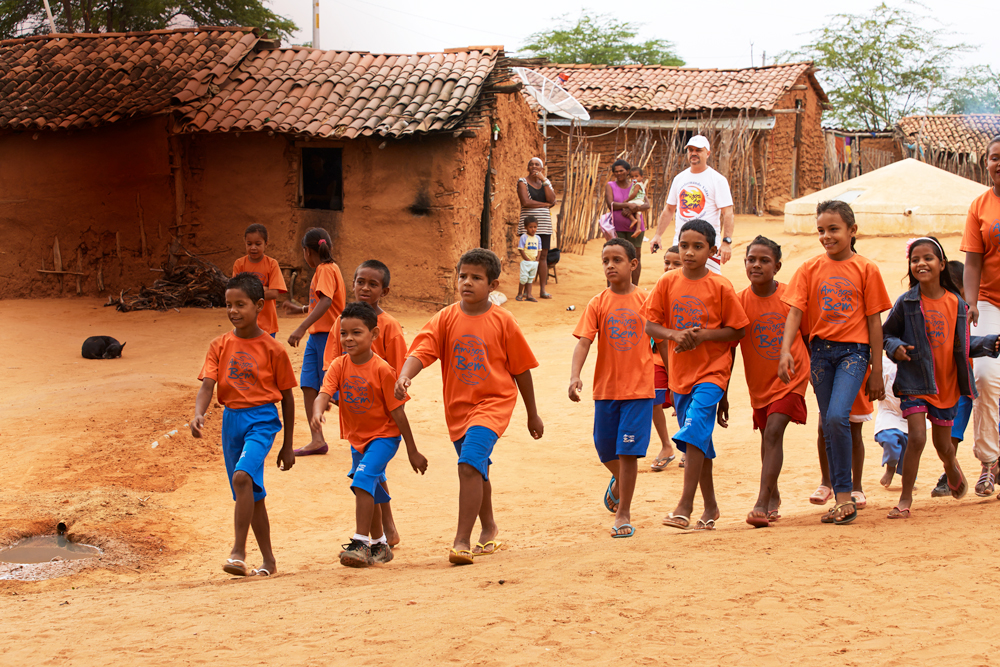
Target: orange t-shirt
[761, 347]
[836, 298]
[982, 235]
[861, 405]
[270, 275]
[480, 355]
[366, 399]
[624, 369]
[710, 303]
[940, 320]
[327, 281]
[390, 344]
[248, 371]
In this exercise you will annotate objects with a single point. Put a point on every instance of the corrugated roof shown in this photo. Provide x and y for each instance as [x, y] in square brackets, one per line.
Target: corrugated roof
[83, 80]
[659, 88]
[952, 133]
[347, 94]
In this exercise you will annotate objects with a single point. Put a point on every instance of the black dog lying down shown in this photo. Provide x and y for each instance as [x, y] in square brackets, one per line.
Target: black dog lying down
[102, 347]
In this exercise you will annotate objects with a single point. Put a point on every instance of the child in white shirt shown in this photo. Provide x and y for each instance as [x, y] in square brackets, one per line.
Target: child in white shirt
[529, 246]
[890, 426]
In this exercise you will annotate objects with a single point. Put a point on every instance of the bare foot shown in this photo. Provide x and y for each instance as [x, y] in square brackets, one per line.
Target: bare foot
[890, 471]
[391, 534]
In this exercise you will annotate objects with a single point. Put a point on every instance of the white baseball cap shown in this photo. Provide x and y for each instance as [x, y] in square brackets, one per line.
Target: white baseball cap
[699, 141]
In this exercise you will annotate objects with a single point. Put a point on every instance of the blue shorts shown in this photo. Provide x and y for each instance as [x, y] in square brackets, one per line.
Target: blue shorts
[893, 443]
[938, 416]
[274, 335]
[696, 417]
[962, 418]
[368, 467]
[247, 437]
[474, 449]
[312, 362]
[621, 428]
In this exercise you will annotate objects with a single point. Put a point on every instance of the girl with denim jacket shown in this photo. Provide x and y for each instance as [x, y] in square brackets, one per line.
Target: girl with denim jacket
[842, 295]
[927, 334]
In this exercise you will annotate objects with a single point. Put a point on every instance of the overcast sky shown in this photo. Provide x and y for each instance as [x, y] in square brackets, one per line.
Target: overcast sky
[717, 33]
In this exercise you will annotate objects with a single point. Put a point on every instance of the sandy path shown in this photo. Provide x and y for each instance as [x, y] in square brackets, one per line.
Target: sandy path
[76, 437]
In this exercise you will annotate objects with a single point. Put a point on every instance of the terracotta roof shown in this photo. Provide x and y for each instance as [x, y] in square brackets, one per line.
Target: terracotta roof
[64, 81]
[952, 134]
[659, 88]
[347, 94]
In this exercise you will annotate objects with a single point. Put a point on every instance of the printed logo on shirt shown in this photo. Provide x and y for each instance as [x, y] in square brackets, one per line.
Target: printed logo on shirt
[356, 395]
[624, 329]
[470, 359]
[838, 299]
[936, 326]
[312, 299]
[766, 335]
[260, 276]
[242, 371]
[995, 233]
[691, 201]
[687, 312]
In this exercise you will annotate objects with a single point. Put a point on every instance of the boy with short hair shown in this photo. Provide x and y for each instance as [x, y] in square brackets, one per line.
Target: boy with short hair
[371, 283]
[623, 378]
[253, 372]
[529, 246]
[661, 381]
[485, 361]
[696, 314]
[372, 419]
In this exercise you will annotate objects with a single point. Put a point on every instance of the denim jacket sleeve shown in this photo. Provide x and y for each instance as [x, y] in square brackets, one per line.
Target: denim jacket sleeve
[983, 346]
[893, 329]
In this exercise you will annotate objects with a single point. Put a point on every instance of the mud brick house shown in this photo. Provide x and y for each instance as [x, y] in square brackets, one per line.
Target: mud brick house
[955, 143]
[115, 144]
[764, 124]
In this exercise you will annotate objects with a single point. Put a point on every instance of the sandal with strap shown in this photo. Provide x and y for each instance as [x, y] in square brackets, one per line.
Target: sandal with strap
[987, 479]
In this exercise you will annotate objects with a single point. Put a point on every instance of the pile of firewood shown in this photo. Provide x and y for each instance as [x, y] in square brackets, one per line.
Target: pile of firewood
[197, 284]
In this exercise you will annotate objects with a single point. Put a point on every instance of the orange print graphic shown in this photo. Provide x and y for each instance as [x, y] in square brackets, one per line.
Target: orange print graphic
[692, 201]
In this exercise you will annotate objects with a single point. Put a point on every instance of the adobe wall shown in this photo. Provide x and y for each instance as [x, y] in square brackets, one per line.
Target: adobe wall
[82, 187]
[778, 188]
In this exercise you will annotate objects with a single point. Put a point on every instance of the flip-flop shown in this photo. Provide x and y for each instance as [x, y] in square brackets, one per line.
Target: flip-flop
[705, 525]
[496, 547]
[531, 298]
[609, 497]
[848, 518]
[773, 515]
[235, 567]
[958, 492]
[311, 452]
[616, 534]
[821, 496]
[658, 467]
[545, 296]
[899, 514]
[860, 500]
[683, 461]
[461, 557]
[758, 521]
[260, 572]
[519, 297]
[675, 521]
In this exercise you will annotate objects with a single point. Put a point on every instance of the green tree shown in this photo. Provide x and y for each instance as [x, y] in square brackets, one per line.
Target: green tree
[881, 66]
[600, 40]
[20, 18]
[976, 90]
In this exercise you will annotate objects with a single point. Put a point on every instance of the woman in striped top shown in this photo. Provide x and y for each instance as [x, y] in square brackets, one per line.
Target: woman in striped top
[537, 197]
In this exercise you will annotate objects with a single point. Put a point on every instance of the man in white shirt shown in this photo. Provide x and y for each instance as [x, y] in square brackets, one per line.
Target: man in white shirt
[699, 192]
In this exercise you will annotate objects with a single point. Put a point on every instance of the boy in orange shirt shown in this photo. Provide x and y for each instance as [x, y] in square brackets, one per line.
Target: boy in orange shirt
[663, 400]
[372, 419]
[485, 361]
[623, 378]
[696, 315]
[253, 372]
[267, 271]
[371, 283]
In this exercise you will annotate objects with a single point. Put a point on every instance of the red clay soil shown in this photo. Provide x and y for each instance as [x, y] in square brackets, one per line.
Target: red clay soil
[77, 438]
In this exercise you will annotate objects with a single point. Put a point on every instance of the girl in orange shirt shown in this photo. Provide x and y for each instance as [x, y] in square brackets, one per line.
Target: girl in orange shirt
[840, 295]
[327, 297]
[927, 334]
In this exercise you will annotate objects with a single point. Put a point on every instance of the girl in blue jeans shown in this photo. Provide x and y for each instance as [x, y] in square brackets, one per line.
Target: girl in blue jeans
[839, 295]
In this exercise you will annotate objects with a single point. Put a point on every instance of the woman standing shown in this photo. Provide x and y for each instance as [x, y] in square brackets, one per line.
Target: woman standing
[982, 290]
[537, 197]
[616, 196]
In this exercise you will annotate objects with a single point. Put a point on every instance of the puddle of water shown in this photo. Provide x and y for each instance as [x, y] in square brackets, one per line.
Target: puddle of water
[44, 548]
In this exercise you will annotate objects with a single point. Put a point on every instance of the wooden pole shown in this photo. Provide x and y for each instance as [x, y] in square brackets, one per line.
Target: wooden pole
[79, 269]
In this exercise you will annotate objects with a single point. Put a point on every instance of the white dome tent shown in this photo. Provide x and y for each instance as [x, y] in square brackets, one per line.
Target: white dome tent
[904, 198]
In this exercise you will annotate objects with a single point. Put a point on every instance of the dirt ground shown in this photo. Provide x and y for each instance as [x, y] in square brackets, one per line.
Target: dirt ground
[76, 437]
